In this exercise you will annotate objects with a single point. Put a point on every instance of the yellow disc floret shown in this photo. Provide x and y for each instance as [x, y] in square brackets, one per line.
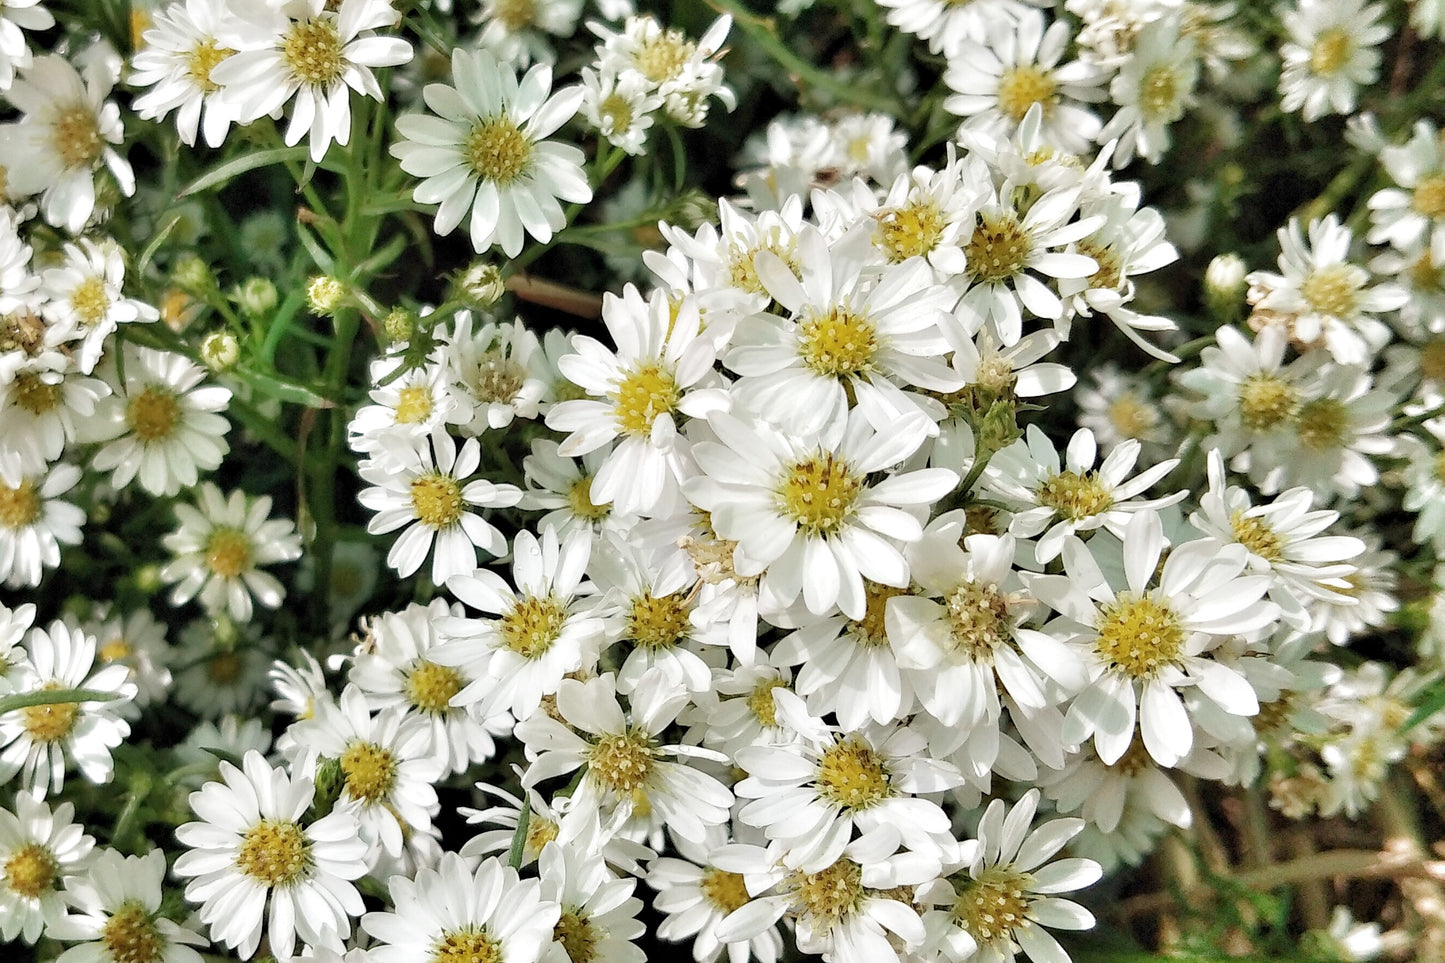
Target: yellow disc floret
[437, 500]
[658, 621]
[998, 249]
[31, 871]
[312, 50]
[153, 413]
[1075, 496]
[532, 625]
[228, 552]
[819, 493]
[644, 394]
[991, 906]
[837, 342]
[370, 770]
[131, 935]
[1020, 87]
[853, 776]
[1139, 636]
[274, 852]
[496, 149]
[430, 687]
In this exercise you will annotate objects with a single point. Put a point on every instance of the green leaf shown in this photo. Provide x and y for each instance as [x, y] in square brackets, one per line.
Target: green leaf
[1431, 702]
[242, 164]
[50, 697]
[284, 390]
[144, 260]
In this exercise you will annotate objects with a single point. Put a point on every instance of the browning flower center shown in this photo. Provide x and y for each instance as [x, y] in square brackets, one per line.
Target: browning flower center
[838, 342]
[978, 622]
[1139, 636]
[275, 852]
[643, 395]
[499, 378]
[437, 499]
[819, 493]
[991, 906]
[515, 15]
[31, 871]
[1323, 425]
[34, 394]
[430, 687]
[825, 897]
[154, 413]
[853, 776]
[1023, 86]
[75, 135]
[467, 945]
[370, 770]
[577, 935]
[496, 149]
[131, 936]
[228, 552]
[998, 249]
[313, 51]
[532, 626]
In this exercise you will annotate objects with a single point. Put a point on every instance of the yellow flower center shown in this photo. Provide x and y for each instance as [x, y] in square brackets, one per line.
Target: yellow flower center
[658, 621]
[837, 343]
[1331, 51]
[1267, 402]
[498, 379]
[615, 114]
[1254, 533]
[515, 14]
[313, 51]
[224, 668]
[998, 249]
[430, 687]
[1131, 417]
[661, 58]
[871, 629]
[20, 506]
[467, 945]
[1324, 424]
[993, 905]
[532, 626]
[31, 871]
[621, 762]
[1074, 496]
[228, 552]
[115, 650]
[819, 493]
[577, 935]
[1139, 636]
[853, 776]
[370, 770]
[51, 722]
[1110, 273]
[912, 230]
[762, 704]
[825, 897]
[579, 499]
[978, 622]
[131, 936]
[724, 890]
[154, 413]
[1429, 196]
[1159, 98]
[90, 301]
[202, 60]
[540, 832]
[75, 135]
[643, 395]
[744, 275]
[437, 499]
[1023, 86]
[1334, 289]
[497, 150]
[34, 394]
[413, 405]
[275, 852]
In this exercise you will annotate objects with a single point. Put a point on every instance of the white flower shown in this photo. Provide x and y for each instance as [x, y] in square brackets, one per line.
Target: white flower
[218, 548]
[620, 107]
[563, 487]
[85, 300]
[487, 152]
[302, 49]
[947, 24]
[34, 523]
[136, 640]
[696, 897]
[180, 49]
[222, 667]
[18, 15]
[40, 849]
[41, 741]
[250, 849]
[434, 495]
[1414, 212]
[599, 913]
[1331, 52]
[160, 425]
[64, 137]
[116, 914]
[408, 404]
[482, 914]
[43, 409]
[803, 512]
[682, 71]
[1152, 89]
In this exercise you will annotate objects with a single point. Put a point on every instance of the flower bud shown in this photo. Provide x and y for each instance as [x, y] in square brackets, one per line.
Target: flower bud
[324, 294]
[1224, 288]
[399, 325]
[482, 284]
[192, 273]
[220, 351]
[256, 296]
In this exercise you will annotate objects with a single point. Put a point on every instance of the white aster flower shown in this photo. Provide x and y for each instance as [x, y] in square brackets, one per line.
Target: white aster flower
[947, 24]
[179, 50]
[1331, 52]
[249, 849]
[84, 299]
[222, 667]
[1412, 213]
[34, 523]
[408, 404]
[599, 913]
[16, 16]
[43, 409]
[1152, 89]
[803, 512]
[500, 368]
[562, 487]
[487, 152]
[136, 640]
[218, 548]
[116, 914]
[315, 52]
[42, 741]
[620, 106]
[435, 496]
[40, 849]
[696, 897]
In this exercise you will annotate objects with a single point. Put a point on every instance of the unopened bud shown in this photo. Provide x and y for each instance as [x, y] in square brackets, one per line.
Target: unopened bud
[192, 273]
[324, 294]
[1224, 288]
[399, 325]
[482, 284]
[256, 296]
[220, 350]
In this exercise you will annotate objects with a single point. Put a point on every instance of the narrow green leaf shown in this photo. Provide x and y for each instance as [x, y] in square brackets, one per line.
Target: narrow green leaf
[49, 697]
[144, 260]
[284, 390]
[242, 164]
[1432, 702]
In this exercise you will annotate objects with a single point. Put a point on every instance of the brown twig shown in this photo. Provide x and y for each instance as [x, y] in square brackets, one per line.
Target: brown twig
[550, 294]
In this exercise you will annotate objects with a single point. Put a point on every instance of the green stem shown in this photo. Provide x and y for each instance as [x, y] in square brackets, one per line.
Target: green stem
[51, 697]
[519, 837]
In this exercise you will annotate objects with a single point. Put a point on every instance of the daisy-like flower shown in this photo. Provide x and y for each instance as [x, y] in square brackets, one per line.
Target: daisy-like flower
[487, 152]
[41, 741]
[637, 393]
[500, 368]
[626, 773]
[684, 72]
[1144, 641]
[620, 107]
[63, 138]
[40, 849]
[175, 61]
[947, 24]
[803, 512]
[599, 913]
[386, 773]
[116, 914]
[43, 409]
[1330, 54]
[1000, 899]
[1323, 298]
[1412, 213]
[15, 53]
[696, 897]
[1334, 434]
[314, 51]
[34, 523]
[254, 865]
[218, 548]
[846, 342]
[397, 667]
[1055, 503]
[85, 300]
[1117, 407]
[563, 488]
[1108, 795]
[408, 404]
[160, 426]
[810, 796]
[434, 495]
[1152, 89]
[136, 640]
[451, 912]
[222, 667]
[995, 83]
[531, 637]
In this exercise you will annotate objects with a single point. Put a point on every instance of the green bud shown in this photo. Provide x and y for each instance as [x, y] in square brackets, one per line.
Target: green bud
[481, 283]
[225, 632]
[190, 273]
[330, 780]
[998, 428]
[256, 296]
[220, 350]
[399, 325]
[324, 294]
[148, 579]
[1225, 287]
